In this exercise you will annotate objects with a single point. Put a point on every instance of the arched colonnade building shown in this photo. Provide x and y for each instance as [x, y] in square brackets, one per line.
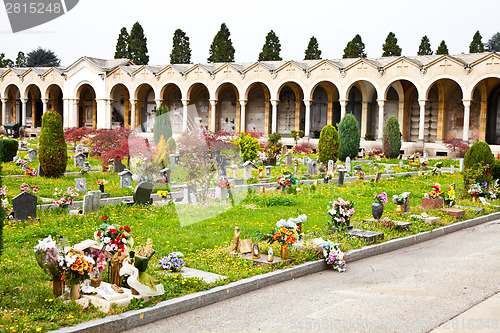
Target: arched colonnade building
[435, 98]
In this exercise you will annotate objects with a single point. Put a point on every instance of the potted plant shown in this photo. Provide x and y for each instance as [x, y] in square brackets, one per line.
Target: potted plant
[341, 213]
[433, 199]
[399, 200]
[101, 183]
[378, 205]
[173, 262]
[286, 233]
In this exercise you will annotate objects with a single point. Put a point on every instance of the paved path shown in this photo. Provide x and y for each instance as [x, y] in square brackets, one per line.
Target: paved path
[415, 289]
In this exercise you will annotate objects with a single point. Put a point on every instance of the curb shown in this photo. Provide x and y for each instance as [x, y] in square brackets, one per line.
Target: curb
[131, 319]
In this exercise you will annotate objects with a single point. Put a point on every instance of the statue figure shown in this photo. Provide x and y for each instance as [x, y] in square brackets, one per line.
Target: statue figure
[116, 265]
[236, 240]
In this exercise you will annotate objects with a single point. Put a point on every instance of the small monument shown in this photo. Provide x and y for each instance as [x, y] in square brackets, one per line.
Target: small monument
[24, 206]
[348, 164]
[340, 180]
[81, 185]
[330, 166]
[79, 149]
[125, 178]
[406, 204]
[165, 173]
[268, 168]
[247, 170]
[91, 202]
[288, 159]
[142, 193]
[79, 160]
[32, 153]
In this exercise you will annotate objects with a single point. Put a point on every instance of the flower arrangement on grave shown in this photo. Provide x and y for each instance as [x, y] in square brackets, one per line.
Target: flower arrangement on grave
[321, 168]
[162, 193]
[399, 199]
[450, 196]
[329, 175]
[114, 237]
[379, 201]
[414, 160]
[341, 213]
[101, 262]
[334, 256]
[360, 174]
[380, 198]
[287, 179]
[6, 205]
[173, 262]
[30, 172]
[478, 190]
[140, 256]
[66, 197]
[76, 266]
[46, 254]
[30, 189]
[435, 193]
[286, 233]
[101, 182]
[224, 183]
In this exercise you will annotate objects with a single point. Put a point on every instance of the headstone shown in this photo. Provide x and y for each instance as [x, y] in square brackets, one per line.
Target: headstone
[166, 174]
[79, 160]
[312, 167]
[81, 185]
[142, 193]
[348, 164]
[305, 160]
[340, 180]
[222, 166]
[32, 153]
[330, 166]
[378, 176]
[426, 154]
[288, 159]
[284, 150]
[118, 166]
[452, 171]
[401, 164]
[91, 202]
[125, 178]
[406, 204]
[79, 149]
[173, 159]
[40, 171]
[24, 206]
[461, 168]
[247, 170]
[221, 193]
[268, 168]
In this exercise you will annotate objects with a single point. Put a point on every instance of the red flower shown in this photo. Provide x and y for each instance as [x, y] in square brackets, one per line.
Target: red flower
[127, 228]
[121, 228]
[99, 233]
[104, 218]
[113, 231]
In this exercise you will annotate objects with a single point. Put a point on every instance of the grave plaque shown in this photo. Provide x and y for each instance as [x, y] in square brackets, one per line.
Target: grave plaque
[330, 166]
[81, 185]
[91, 202]
[245, 245]
[125, 178]
[79, 160]
[142, 193]
[288, 159]
[340, 181]
[311, 167]
[32, 153]
[348, 164]
[24, 206]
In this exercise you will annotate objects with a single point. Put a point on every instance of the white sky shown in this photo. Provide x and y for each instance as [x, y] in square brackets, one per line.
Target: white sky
[92, 27]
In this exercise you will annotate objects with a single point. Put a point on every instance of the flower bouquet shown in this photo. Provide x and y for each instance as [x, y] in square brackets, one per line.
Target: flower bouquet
[66, 198]
[433, 199]
[286, 234]
[478, 190]
[163, 194]
[341, 213]
[450, 196]
[101, 182]
[380, 198]
[28, 188]
[334, 256]
[47, 253]
[173, 262]
[114, 237]
[399, 199]
[435, 193]
[76, 266]
[286, 180]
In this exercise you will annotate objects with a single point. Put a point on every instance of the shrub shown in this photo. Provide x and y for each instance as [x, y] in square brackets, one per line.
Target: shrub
[277, 201]
[349, 136]
[111, 144]
[8, 149]
[496, 169]
[75, 134]
[392, 138]
[162, 124]
[171, 145]
[297, 135]
[368, 136]
[52, 145]
[273, 147]
[458, 146]
[249, 147]
[478, 157]
[161, 156]
[328, 144]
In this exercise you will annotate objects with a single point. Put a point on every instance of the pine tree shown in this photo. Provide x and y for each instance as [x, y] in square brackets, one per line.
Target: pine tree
[425, 46]
[312, 52]
[221, 49]
[42, 58]
[138, 45]
[391, 47]
[476, 46]
[442, 48]
[122, 45]
[271, 49]
[5, 62]
[21, 59]
[355, 48]
[494, 43]
[181, 52]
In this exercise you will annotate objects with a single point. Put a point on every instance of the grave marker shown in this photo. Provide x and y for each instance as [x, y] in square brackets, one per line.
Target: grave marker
[79, 149]
[24, 206]
[452, 171]
[125, 178]
[378, 176]
[330, 166]
[288, 159]
[142, 193]
[348, 164]
[406, 204]
[461, 168]
[91, 202]
[40, 171]
[268, 168]
[32, 153]
[81, 185]
[247, 170]
[79, 160]
[340, 180]
[118, 166]
[165, 172]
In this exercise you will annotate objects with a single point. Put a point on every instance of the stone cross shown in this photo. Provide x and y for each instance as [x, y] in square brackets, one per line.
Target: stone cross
[142, 193]
[348, 164]
[330, 166]
[24, 206]
[32, 153]
[91, 202]
[125, 178]
[81, 185]
[288, 159]
[247, 170]
[79, 160]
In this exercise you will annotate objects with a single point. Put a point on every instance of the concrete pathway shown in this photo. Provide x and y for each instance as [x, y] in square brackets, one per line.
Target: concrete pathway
[415, 289]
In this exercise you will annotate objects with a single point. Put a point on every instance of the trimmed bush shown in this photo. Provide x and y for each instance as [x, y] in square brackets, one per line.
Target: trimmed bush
[171, 145]
[162, 124]
[496, 169]
[349, 136]
[478, 164]
[8, 149]
[249, 147]
[328, 144]
[392, 138]
[52, 151]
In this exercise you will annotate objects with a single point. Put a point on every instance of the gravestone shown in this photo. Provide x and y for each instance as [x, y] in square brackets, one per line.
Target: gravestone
[348, 164]
[268, 168]
[79, 160]
[340, 180]
[125, 178]
[362, 152]
[305, 160]
[406, 203]
[40, 171]
[222, 166]
[461, 168]
[378, 176]
[24, 206]
[401, 164]
[142, 193]
[247, 170]
[118, 166]
[452, 171]
[221, 193]
[288, 159]
[173, 160]
[312, 167]
[81, 185]
[91, 202]
[330, 166]
[79, 149]
[32, 153]
[284, 150]
[166, 174]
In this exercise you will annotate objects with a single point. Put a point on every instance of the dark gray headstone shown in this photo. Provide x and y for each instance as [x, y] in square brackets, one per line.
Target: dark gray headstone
[125, 178]
[142, 193]
[340, 181]
[81, 185]
[91, 202]
[118, 166]
[288, 159]
[24, 206]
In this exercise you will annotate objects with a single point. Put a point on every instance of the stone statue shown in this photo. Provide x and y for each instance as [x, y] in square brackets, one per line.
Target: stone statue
[116, 265]
[236, 240]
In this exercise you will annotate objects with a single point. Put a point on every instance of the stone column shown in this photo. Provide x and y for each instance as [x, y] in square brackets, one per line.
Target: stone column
[103, 113]
[213, 105]
[185, 103]
[274, 117]
[74, 113]
[401, 116]
[421, 125]
[243, 116]
[482, 120]
[381, 104]
[329, 116]
[307, 129]
[440, 123]
[33, 113]
[466, 119]
[45, 102]
[133, 105]
[23, 111]
[4, 110]
[364, 118]
[343, 106]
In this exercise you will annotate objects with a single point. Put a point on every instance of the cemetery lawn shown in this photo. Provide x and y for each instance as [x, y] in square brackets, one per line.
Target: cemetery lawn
[27, 303]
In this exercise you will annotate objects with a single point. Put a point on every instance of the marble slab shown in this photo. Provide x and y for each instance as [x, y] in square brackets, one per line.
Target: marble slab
[207, 277]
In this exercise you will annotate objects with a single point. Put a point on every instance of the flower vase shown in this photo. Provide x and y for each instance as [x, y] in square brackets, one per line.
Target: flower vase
[101, 188]
[74, 291]
[284, 252]
[261, 174]
[57, 286]
[377, 210]
[399, 209]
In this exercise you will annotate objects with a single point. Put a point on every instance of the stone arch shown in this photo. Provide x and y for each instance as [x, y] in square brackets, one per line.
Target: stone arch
[228, 107]
[401, 106]
[171, 96]
[121, 107]
[485, 94]
[258, 106]
[361, 97]
[291, 109]
[12, 112]
[34, 106]
[200, 108]
[145, 108]
[325, 106]
[54, 99]
[87, 106]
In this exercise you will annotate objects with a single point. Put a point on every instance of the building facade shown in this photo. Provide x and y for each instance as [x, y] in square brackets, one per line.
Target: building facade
[436, 98]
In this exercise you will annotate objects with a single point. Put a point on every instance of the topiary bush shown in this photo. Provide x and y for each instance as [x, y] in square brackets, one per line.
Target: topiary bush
[328, 144]
[349, 136]
[478, 164]
[162, 124]
[171, 145]
[249, 147]
[8, 149]
[52, 151]
[392, 138]
[496, 169]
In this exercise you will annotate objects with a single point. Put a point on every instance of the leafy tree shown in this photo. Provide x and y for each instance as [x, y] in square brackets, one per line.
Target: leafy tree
[249, 147]
[111, 144]
[4, 62]
[138, 45]
[328, 144]
[478, 163]
[8, 149]
[122, 45]
[355, 48]
[442, 48]
[75, 134]
[21, 59]
[42, 58]
[52, 151]
[171, 145]
[391, 47]
[493, 44]
[312, 52]
[271, 49]
[181, 52]
[221, 49]
[392, 138]
[476, 46]
[425, 46]
[349, 136]
[162, 126]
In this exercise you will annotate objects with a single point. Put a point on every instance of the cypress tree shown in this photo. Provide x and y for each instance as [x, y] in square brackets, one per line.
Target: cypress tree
[355, 48]
[271, 49]
[494, 43]
[442, 48]
[425, 47]
[122, 45]
[162, 126]
[476, 46]
[52, 150]
[312, 52]
[328, 144]
[138, 45]
[392, 138]
[349, 136]
[181, 51]
[221, 49]
[21, 59]
[391, 47]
